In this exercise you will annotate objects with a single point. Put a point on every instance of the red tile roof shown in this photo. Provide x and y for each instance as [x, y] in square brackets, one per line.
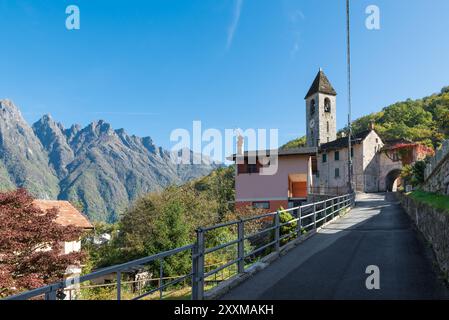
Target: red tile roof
[68, 215]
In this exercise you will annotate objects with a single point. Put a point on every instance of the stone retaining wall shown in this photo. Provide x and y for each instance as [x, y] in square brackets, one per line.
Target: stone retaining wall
[437, 171]
[434, 225]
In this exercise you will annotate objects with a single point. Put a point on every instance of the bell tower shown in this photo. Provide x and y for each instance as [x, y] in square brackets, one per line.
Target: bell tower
[321, 120]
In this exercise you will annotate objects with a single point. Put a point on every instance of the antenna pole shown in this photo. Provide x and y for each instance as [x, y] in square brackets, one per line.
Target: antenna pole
[348, 39]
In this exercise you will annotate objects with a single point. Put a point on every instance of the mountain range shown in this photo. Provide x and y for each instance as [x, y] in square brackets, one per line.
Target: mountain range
[96, 167]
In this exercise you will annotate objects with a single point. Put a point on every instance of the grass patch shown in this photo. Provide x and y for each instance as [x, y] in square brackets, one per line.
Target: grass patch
[434, 200]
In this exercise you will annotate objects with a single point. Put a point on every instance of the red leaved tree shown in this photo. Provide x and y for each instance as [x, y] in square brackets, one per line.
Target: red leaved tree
[31, 244]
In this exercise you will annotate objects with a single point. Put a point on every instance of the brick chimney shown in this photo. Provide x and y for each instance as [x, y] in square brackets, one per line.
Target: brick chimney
[240, 145]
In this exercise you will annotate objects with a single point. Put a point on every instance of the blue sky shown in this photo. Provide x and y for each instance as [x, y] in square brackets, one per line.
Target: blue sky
[156, 65]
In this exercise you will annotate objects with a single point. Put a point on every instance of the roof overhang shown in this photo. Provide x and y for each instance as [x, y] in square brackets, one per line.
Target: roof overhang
[305, 151]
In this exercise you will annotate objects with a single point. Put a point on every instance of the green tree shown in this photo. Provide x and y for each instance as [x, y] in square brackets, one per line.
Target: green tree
[414, 174]
[30, 244]
[219, 185]
[284, 217]
[297, 143]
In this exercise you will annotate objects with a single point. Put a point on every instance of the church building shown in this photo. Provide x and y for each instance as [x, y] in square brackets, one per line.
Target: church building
[321, 167]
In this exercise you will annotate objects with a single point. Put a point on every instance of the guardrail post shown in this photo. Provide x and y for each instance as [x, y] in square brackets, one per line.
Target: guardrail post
[298, 224]
[277, 231]
[241, 246]
[161, 276]
[333, 209]
[325, 211]
[119, 285]
[51, 295]
[314, 216]
[194, 295]
[198, 267]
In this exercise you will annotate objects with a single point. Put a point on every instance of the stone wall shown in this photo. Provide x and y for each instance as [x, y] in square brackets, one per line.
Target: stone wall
[437, 171]
[387, 166]
[371, 162]
[433, 224]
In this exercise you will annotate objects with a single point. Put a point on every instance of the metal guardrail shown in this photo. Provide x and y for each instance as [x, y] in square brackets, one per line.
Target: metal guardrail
[307, 217]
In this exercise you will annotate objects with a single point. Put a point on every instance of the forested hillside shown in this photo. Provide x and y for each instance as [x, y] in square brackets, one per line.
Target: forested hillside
[424, 120]
[164, 220]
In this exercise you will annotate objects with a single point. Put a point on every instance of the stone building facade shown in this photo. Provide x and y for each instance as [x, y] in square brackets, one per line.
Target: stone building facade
[332, 175]
[437, 171]
[376, 165]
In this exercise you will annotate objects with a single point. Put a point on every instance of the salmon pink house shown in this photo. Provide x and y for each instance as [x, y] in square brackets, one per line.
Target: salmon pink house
[287, 187]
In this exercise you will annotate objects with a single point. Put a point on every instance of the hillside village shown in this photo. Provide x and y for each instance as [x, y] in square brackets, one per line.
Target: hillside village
[321, 166]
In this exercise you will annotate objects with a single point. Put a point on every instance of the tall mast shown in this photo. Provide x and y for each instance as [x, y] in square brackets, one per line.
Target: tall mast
[348, 39]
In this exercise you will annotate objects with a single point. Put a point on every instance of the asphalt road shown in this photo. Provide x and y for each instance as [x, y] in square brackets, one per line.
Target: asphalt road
[332, 264]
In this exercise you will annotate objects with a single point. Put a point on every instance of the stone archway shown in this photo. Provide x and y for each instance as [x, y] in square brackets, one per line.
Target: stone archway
[393, 180]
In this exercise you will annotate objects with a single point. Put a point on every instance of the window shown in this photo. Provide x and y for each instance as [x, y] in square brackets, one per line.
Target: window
[261, 205]
[294, 204]
[337, 173]
[312, 107]
[396, 156]
[327, 105]
[337, 156]
[247, 168]
[324, 157]
[252, 168]
[327, 126]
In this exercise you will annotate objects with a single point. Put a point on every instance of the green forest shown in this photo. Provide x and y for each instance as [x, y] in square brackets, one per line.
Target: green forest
[424, 120]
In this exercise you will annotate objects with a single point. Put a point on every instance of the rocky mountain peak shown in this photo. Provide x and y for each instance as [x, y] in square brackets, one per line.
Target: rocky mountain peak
[8, 110]
[23, 159]
[72, 132]
[99, 128]
[52, 136]
[101, 168]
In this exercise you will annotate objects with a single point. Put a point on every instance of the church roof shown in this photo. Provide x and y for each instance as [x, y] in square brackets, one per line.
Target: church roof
[321, 84]
[343, 142]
